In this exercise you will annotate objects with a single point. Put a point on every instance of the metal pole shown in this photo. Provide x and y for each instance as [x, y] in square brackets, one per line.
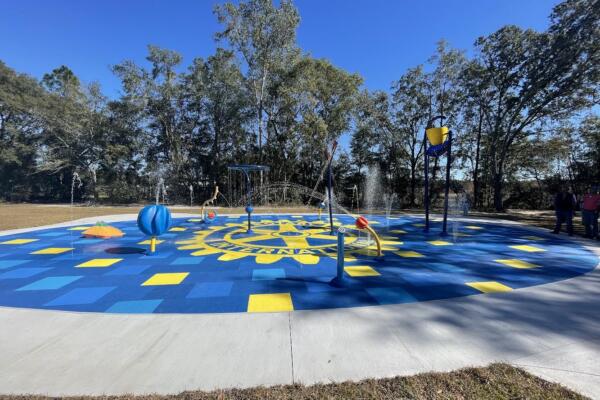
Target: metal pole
[447, 188]
[249, 203]
[426, 195]
[340, 253]
[329, 196]
[338, 281]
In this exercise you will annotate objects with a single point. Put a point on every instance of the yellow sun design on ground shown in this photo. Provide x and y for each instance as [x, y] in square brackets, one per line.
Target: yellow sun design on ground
[271, 241]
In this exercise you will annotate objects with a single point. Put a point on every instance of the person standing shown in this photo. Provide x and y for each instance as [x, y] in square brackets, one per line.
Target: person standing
[590, 208]
[564, 206]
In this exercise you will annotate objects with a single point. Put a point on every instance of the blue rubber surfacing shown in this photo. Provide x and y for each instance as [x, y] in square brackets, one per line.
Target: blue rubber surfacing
[233, 266]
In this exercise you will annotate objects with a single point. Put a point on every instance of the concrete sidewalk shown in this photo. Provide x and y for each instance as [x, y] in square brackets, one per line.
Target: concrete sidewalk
[552, 331]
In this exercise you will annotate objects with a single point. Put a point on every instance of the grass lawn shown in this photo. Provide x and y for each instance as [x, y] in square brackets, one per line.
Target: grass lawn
[497, 381]
[13, 216]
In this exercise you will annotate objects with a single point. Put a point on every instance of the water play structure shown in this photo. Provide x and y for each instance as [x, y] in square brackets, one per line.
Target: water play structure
[153, 221]
[102, 231]
[246, 169]
[209, 216]
[440, 143]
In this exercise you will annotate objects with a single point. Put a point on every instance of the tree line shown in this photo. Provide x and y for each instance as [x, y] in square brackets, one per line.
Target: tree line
[523, 108]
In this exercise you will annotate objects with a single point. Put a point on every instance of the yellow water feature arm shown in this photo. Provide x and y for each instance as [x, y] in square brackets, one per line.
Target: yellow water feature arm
[362, 223]
[209, 201]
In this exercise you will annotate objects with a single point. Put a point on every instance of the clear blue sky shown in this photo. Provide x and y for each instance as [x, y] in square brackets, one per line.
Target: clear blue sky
[377, 38]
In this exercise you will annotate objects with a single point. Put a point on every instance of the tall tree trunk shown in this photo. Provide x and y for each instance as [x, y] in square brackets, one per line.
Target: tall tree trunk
[260, 133]
[215, 154]
[498, 186]
[413, 184]
[476, 189]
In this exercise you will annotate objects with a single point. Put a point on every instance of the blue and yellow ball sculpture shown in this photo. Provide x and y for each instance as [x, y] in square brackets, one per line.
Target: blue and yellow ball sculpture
[154, 220]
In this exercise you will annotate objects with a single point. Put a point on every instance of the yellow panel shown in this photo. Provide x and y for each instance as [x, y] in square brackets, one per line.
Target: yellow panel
[169, 278]
[437, 135]
[99, 262]
[409, 254]
[419, 225]
[267, 258]
[398, 231]
[158, 241]
[533, 238]
[53, 250]
[232, 256]
[440, 243]
[306, 259]
[20, 241]
[392, 242]
[272, 302]
[79, 228]
[474, 227]
[517, 263]
[177, 229]
[489, 287]
[527, 248]
[361, 270]
[204, 252]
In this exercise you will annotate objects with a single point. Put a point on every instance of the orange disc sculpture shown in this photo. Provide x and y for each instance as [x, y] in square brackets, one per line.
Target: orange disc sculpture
[102, 231]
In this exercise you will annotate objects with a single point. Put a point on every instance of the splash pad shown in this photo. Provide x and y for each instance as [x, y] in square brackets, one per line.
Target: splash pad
[286, 264]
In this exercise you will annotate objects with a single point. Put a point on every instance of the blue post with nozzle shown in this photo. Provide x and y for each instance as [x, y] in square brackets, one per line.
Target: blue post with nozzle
[338, 281]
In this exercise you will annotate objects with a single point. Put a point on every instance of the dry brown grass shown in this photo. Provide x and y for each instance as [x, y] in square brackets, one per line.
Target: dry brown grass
[497, 381]
[13, 216]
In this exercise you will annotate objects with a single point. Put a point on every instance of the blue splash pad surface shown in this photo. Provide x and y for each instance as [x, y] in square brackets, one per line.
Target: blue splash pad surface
[217, 267]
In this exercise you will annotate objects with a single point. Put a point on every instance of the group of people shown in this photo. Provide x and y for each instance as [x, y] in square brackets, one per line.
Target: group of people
[565, 204]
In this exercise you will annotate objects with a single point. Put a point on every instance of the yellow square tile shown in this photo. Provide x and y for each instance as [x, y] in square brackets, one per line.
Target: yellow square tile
[99, 262]
[178, 229]
[409, 254]
[527, 248]
[489, 287]
[272, 302]
[167, 278]
[158, 241]
[19, 241]
[361, 270]
[53, 250]
[515, 263]
[79, 228]
[440, 243]
[474, 227]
